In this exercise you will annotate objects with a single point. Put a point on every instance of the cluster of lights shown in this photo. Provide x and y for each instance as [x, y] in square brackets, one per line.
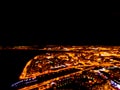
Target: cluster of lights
[115, 84]
[57, 67]
[24, 82]
[61, 82]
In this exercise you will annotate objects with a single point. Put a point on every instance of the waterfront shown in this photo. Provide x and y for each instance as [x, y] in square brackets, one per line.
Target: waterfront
[11, 63]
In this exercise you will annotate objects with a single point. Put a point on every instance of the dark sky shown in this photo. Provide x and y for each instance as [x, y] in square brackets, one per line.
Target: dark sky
[92, 25]
[61, 37]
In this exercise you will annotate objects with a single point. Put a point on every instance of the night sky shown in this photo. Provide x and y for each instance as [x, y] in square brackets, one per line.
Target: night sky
[61, 37]
[66, 26]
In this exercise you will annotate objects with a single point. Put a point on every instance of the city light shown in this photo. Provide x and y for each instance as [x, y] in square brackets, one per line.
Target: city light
[62, 66]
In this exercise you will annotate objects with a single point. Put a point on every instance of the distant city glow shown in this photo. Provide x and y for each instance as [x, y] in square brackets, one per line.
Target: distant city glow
[58, 66]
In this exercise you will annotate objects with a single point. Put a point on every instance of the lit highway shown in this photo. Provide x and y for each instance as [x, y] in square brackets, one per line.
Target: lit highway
[86, 66]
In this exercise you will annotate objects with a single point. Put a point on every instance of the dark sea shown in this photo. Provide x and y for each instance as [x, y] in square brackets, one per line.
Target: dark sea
[12, 63]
